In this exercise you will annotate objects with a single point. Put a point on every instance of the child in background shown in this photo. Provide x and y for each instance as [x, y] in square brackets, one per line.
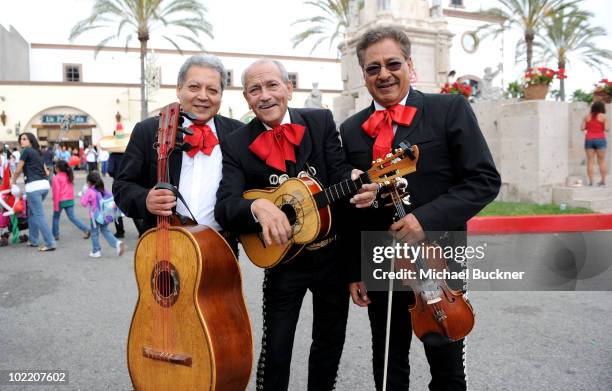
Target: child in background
[62, 188]
[90, 198]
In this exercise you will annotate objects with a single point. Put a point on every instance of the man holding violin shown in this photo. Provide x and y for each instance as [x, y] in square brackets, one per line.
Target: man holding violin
[455, 178]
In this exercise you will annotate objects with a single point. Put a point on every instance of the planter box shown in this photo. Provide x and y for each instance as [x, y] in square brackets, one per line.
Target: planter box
[535, 91]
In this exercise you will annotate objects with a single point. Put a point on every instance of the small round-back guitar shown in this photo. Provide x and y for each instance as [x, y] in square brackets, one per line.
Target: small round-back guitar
[306, 205]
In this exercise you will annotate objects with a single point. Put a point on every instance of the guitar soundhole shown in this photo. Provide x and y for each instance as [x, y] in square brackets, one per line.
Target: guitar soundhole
[289, 210]
[165, 283]
[292, 208]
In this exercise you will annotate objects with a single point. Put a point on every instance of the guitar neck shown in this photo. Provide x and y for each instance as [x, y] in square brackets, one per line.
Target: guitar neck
[344, 189]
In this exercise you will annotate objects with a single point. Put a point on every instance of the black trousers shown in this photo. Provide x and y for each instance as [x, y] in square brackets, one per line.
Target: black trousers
[445, 363]
[284, 288]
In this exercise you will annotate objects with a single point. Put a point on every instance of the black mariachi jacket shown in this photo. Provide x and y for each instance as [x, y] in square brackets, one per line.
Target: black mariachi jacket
[319, 153]
[138, 172]
[455, 176]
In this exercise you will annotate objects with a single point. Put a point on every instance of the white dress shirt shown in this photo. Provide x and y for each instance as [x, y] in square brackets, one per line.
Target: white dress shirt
[200, 177]
[286, 120]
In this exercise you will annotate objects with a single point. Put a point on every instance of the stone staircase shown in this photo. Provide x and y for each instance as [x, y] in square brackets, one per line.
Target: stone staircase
[597, 198]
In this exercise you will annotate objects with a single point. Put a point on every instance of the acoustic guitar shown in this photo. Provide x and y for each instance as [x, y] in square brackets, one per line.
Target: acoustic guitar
[190, 329]
[306, 205]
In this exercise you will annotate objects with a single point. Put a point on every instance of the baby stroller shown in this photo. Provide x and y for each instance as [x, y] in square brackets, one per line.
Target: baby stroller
[13, 217]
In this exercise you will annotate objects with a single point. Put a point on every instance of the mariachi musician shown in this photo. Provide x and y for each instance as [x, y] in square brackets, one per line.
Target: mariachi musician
[281, 143]
[454, 179]
[196, 172]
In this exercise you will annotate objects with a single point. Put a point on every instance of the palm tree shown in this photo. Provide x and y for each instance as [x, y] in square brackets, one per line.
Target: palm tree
[329, 26]
[141, 17]
[525, 15]
[569, 34]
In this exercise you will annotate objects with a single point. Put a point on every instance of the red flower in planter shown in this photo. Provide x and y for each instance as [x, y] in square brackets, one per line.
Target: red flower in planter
[543, 75]
[604, 86]
[456, 88]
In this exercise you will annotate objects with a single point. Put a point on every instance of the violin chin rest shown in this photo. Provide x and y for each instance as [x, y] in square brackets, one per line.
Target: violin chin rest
[435, 339]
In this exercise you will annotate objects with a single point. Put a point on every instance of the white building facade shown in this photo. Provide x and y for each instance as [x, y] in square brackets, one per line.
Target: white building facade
[99, 90]
[42, 83]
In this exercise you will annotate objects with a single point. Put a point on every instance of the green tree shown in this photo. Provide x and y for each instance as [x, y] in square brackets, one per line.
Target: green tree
[139, 18]
[330, 24]
[581, 96]
[568, 34]
[528, 16]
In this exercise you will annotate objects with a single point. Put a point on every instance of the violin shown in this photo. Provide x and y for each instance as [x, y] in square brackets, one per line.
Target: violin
[440, 315]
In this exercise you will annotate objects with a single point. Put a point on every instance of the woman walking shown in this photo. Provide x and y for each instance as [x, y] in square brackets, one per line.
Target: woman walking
[91, 198]
[62, 186]
[595, 124]
[36, 187]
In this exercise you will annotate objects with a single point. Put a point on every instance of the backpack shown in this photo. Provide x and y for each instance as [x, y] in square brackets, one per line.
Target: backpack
[106, 211]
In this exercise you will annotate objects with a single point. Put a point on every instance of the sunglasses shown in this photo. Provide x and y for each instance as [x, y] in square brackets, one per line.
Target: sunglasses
[391, 66]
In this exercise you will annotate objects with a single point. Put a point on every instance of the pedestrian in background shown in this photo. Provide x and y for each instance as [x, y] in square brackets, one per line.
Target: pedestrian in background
[114, 162]
[595, 126]
[48, 158]
[91, 155]
[36, 187]
[65, 153]
[62, 187]
[103, 157]
[91, 199]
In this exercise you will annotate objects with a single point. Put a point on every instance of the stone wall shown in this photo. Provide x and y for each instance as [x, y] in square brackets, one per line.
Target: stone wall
[536, 145]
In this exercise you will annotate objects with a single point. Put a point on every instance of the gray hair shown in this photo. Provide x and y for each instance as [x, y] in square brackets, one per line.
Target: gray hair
[378, 34]
[279, 65]
[205, 61]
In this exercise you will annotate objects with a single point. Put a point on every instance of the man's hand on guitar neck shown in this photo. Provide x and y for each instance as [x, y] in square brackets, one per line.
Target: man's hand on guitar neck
[367, 193]
[275, 226]
[160, 202]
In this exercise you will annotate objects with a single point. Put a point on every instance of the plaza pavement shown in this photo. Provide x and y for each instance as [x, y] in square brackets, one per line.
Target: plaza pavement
[64, 310]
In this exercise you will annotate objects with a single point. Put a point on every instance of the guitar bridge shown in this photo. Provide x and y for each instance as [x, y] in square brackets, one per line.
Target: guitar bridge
[174, 358]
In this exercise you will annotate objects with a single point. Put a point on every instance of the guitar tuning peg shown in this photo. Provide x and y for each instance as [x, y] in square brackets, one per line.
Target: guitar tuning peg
[188, 115]
[186, 131]
[183, 147]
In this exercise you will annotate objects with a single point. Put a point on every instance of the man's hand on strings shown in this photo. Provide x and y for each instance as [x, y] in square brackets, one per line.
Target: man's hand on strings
[408, 230]
[367, 193]
[160, 202]
[275, 226]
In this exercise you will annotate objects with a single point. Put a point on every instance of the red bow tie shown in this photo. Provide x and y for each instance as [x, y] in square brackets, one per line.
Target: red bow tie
[380, 125]
[203, 139]
[276, 145]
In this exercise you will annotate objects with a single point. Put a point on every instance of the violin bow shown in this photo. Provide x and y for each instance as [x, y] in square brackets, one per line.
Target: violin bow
[399, 208]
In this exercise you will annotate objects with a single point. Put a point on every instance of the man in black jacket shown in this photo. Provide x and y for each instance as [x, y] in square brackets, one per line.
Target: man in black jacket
[455, 178]
[195, 173]
[281, 143]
